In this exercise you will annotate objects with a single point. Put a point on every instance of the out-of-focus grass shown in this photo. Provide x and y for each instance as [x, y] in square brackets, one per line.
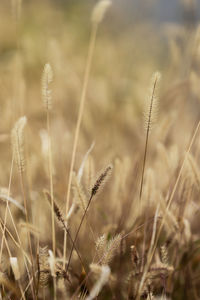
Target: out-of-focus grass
[125, 57]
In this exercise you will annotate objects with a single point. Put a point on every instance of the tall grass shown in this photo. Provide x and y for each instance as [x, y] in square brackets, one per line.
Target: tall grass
[92, 205]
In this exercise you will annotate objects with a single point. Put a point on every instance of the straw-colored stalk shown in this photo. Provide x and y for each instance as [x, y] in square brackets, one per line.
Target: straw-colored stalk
[100, 180]
[18, 152]
[47, 79]
[103, 279]
[150, 116]
[7, 208]
[97, 16]
[15, 268]
[153, 249]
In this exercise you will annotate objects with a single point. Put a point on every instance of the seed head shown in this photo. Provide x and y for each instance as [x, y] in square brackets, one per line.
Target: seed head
[100, 10]
[47, 78]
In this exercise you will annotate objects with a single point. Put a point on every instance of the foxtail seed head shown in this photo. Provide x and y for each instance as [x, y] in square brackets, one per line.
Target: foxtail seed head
[100, 10]
[47, 78]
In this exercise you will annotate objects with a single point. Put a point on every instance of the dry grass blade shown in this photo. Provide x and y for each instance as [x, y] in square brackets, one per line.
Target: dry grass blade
[17, 138]
[103, 279]
[101, 180]
[13, 201]
[60, 218]
[75, 88]
[149, 116]
[82, 102]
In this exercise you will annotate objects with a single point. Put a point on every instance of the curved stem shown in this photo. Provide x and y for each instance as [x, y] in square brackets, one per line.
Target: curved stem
[78, 124]
[78, 230]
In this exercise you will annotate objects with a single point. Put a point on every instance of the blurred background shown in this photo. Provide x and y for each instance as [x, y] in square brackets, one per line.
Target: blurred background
[135, 39]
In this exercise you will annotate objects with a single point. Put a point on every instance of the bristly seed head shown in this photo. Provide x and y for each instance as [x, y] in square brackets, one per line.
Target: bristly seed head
[47, 78]
[56, 208]
[151, 107]
[17, 137]
[101, 180]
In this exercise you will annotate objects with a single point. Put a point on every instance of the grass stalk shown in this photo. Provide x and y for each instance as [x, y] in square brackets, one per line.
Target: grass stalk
[51, 182]
[150, 257]
[149, 121]
[77, 232]
[78, 124]
[7, 205]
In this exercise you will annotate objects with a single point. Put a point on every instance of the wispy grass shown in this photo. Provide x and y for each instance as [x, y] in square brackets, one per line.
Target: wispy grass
[136, 235]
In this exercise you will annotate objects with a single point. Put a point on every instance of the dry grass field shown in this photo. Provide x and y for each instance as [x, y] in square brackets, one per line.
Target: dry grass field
[99, 154]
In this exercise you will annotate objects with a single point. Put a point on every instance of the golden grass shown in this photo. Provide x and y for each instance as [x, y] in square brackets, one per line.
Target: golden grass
[126, 199]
